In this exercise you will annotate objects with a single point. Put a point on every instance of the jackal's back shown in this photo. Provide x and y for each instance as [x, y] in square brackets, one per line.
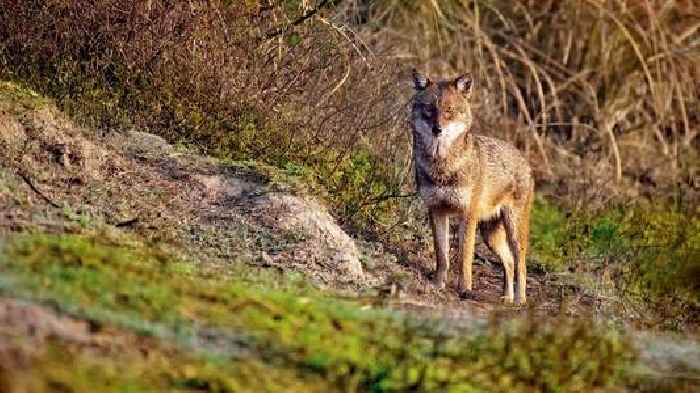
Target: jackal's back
[504, 169]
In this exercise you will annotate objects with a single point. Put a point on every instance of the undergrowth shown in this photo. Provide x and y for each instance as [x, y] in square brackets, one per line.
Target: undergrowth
[349, 346]
[652, 252]
[236, 80]
[203, 74]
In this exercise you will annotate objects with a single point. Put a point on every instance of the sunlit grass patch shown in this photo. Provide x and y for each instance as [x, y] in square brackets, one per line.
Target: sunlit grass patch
[350, 346]
[15, 93]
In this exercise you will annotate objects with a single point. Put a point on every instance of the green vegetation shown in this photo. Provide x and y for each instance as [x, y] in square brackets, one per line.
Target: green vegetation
[348, 346]
[601, 96]
[549, 232]
[559, 237]
[22, 96]
[62, 367]
[653, 251]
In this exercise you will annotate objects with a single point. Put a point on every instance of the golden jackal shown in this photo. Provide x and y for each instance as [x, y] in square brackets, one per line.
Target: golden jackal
[483, 181]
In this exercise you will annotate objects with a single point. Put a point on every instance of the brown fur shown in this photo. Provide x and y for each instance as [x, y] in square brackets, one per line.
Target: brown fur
[483, 181]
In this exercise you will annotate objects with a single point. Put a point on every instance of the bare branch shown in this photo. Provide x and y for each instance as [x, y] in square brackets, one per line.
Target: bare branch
[36, 190]
[308, 14]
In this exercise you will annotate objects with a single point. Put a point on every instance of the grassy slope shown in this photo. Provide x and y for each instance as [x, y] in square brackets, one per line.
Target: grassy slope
[209, 332]
[224, 328]
[214, 333]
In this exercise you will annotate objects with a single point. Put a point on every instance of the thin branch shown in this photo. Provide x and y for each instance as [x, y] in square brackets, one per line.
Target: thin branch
[128, 223]
[382, 198]
[36, 190]
[308, 14]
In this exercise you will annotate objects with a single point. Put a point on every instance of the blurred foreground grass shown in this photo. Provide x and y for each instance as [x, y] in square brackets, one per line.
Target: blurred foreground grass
[249, 334]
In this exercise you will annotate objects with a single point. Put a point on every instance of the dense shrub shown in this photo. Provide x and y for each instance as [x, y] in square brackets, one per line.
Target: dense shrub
[237, 79]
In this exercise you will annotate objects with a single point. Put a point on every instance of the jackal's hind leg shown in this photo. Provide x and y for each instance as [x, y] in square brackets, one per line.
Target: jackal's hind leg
[494, 234]
[523, 228]
[513, 243]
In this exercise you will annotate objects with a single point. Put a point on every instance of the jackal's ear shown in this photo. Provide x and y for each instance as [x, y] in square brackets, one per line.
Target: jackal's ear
[463, 84]
[420, 81]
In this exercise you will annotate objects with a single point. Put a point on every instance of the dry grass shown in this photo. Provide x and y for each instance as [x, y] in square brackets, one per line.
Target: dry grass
[255, 82]
[604, 88]
[599, 94]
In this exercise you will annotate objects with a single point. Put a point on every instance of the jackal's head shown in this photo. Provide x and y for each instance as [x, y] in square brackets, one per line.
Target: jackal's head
[441, 113]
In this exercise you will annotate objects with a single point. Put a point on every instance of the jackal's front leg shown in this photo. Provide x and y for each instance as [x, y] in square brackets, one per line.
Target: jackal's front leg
[467, 238]
[439, 223]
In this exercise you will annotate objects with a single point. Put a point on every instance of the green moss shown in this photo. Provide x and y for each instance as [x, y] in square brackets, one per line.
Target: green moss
[665, 251]
[350, 347]
[559, 237]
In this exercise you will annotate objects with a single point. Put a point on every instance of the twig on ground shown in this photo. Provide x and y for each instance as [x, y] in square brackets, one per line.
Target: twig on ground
[128, 223]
